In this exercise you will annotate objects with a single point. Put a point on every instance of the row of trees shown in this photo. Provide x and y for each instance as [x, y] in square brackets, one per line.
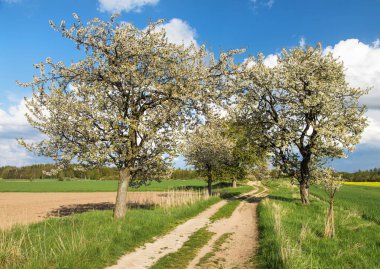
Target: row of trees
[371, 175]
[42, 171]
[257, 169]
[219, 149]
[135, 98]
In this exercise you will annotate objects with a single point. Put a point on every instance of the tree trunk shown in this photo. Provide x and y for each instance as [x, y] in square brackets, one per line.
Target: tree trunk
[305, 179]
[209, 183]
[304, 192]
[330, 223]
[234, 184]
[121, 197]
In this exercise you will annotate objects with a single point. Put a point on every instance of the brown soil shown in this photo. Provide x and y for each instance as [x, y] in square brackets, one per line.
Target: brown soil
[242, 241]
[26, 208]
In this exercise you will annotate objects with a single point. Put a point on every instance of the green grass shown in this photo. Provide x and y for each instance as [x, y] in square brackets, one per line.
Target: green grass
[215, 248]
[229, 192]
[365, 200]
[88, 240]
[182, 257]
[225, 211]
[92, 185]
[291, 234]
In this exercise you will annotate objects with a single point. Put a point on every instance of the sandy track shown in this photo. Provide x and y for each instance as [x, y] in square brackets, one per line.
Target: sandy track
[26, 208]
[150, 253]
[242, 244]
[237, 251]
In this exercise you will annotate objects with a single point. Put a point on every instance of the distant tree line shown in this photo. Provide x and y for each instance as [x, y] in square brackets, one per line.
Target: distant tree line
[365, 175]
[37, 172]
[184, 174]
[102, 173]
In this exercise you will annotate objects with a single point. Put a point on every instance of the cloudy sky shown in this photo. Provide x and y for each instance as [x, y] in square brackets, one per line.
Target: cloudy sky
[349, 29]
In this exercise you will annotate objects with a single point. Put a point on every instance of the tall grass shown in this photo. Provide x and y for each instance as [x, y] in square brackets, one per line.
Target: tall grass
[178, 198]
[291, 234]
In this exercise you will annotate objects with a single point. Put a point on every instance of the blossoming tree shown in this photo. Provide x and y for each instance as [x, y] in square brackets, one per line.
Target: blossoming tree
[124, 103]
[302, 109]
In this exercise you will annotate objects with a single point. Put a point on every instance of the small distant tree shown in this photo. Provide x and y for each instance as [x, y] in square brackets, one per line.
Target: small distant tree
[302, 109]
[330, 181]
[245, 156]
[208, 149]
[124, 103]
[261, 170]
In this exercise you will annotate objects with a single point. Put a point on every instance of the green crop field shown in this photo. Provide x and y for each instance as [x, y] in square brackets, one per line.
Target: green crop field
[291, 234]
[362, 199]
[92, 185]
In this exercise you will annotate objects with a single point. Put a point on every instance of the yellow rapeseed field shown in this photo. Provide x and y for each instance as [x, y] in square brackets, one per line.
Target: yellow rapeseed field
[361, 183]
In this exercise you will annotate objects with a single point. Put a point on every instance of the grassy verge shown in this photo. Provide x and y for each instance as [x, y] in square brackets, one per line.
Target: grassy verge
[89, 240]
[186, 253]
[291, 235]
[225, 211]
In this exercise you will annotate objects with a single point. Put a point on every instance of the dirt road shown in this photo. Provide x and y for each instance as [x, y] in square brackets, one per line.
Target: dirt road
[150, 253]
[236, 251]
[235, 240]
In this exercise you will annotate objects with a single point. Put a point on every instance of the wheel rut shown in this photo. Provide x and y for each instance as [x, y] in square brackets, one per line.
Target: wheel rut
[236, 238]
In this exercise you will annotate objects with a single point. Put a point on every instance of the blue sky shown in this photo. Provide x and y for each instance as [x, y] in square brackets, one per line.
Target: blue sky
[349, 29]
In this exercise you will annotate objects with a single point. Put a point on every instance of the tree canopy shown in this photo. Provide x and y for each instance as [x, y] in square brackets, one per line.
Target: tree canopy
[302, 109]
[208, 149]
[124, 103]
[132, 96]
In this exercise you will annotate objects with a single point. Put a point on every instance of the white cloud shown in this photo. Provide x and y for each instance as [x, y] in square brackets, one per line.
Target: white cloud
[376, 43]
[180, 32]
[302, 42]
[271, 60]
[125, 5]
[13, 124]
[266, 3]
[371, 134]
[269, 3]
[362, 69]
[14, 119]
[11, 153]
